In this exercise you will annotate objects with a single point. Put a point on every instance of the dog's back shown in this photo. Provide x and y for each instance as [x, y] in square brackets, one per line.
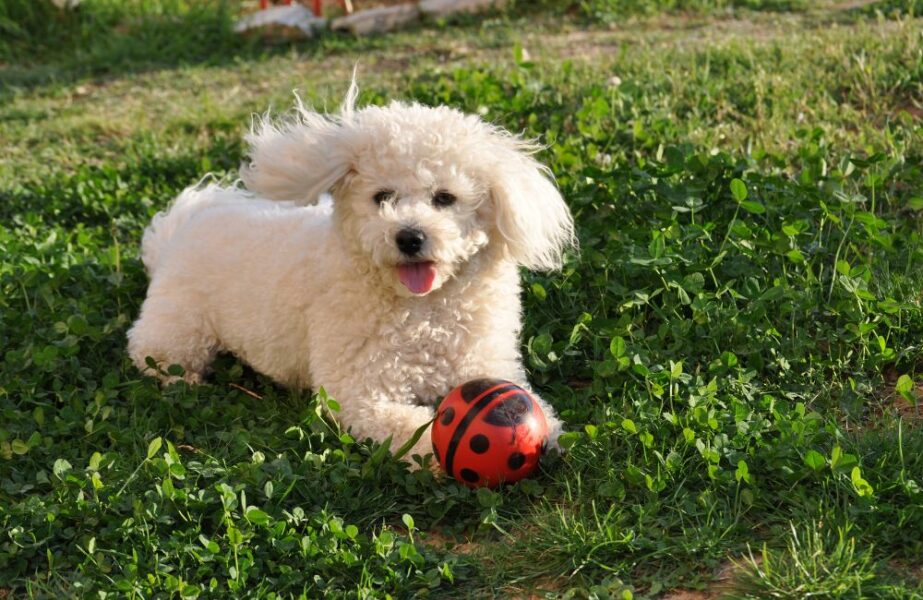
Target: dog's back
[190, 202]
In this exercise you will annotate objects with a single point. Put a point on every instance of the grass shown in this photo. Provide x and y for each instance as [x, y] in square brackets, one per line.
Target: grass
[106, 35]
[736, 350]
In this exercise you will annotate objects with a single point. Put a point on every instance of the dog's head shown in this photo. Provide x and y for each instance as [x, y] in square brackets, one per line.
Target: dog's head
[418, 191]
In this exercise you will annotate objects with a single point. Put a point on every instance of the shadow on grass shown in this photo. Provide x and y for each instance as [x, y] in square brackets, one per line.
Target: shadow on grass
[105, 38]
[124, 197]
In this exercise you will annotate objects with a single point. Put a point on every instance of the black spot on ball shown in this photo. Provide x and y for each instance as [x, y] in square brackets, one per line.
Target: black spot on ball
[447, 416]
[474, 388]
[436, 454]
[469, 476]
[516, 460]
[511, 411]
[479, 443]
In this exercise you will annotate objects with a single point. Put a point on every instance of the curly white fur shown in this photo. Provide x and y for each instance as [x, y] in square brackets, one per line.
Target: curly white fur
[311, 294]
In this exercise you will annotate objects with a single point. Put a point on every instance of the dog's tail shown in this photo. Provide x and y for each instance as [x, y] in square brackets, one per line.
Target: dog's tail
[164, 225]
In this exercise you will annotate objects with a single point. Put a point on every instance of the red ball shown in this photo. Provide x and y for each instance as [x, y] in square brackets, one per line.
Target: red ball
[487, 431]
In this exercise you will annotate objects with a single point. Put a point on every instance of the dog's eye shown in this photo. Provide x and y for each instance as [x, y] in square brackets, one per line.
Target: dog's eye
[443, 198]
[382, 196]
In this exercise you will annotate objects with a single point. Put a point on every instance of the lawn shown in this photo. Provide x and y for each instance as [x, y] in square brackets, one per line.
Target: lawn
[737, 349]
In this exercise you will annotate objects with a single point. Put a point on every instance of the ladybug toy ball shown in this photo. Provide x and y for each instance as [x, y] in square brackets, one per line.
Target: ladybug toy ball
[487, 431]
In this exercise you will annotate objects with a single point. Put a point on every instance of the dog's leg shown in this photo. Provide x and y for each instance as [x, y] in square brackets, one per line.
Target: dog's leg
[380, 418]
[172, 333]
[555, 426]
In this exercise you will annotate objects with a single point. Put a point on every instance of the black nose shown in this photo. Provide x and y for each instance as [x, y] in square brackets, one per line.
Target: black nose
[409, 241]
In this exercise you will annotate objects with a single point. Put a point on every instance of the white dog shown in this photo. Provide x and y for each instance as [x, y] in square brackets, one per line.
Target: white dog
[401, 288]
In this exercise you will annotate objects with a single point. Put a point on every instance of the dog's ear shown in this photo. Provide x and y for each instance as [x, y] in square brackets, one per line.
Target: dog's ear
[301, 157]
[531, 217]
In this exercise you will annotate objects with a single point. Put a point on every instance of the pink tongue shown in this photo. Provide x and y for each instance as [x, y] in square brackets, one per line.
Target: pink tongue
[417, 277]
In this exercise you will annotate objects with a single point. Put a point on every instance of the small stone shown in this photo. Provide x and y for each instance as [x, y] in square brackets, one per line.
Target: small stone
[294, 17]
[442, 8]
[378, 20]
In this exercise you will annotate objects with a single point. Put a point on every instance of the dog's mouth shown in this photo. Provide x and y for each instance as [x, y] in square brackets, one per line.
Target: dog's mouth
[418, 277]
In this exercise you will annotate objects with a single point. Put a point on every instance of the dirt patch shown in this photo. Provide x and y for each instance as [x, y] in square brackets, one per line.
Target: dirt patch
[689, 595]
[444, 543]
[671, 30]
[906, 409]
[914, 110]
[539, 589]
[852, 5]
[721, 585]
[903, 569]
[891, 400]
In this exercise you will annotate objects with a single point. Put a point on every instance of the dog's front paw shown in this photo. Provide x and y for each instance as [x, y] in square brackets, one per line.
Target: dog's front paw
[555, 430]
[168, 376]
[189, 377]
[423, 447]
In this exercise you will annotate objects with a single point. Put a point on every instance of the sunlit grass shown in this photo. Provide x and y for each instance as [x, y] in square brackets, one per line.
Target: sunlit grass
[736, 350]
